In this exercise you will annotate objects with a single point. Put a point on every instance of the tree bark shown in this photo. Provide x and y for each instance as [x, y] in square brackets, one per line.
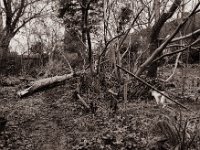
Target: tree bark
[12, 15]
[83, 19]
[4, 51]
[154, 35]
[42, 83]
[157, 51]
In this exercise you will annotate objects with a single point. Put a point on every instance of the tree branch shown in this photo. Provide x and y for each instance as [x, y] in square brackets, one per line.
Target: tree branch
[149, 85]
[159, 24]
[19, 13]
[28, 20]
[8, 12]
[178, 51]
[163, 46]
[126, 34]
[197, 32]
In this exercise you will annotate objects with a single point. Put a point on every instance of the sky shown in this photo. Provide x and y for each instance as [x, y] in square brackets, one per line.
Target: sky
[47, 28]
[36, 32]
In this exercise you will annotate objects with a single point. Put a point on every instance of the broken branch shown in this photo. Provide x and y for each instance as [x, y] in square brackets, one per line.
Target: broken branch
[149, 85]
[83, 101]
[42, 83]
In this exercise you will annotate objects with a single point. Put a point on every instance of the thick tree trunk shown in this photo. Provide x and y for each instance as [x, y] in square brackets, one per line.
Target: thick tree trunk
[152, 71]
[154, 42]
[4, 50]
[159, 50]
[3, 45]
[83, 21]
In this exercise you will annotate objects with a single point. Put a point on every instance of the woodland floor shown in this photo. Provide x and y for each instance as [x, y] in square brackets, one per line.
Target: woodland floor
[54, 120]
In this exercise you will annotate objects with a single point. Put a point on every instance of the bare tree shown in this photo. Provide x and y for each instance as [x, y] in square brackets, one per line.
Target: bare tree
[156, 50]
[154, 42]
[16, 14]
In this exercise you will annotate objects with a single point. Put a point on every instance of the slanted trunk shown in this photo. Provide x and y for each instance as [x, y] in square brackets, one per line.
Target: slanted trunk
[154, 42]
[152, 71]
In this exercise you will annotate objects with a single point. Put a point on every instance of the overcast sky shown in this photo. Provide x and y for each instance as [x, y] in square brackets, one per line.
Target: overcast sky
[19, 42]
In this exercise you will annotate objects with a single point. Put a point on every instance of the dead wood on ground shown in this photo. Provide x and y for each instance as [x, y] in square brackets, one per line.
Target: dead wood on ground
[141, 80]
[43, 83]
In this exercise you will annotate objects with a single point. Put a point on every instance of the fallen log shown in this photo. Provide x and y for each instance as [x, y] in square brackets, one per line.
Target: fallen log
[42, 83]
[144, 82]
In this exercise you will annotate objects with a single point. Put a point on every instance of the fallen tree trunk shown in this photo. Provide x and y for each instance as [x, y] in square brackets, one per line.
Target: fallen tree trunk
[42, 83]
[144, 82]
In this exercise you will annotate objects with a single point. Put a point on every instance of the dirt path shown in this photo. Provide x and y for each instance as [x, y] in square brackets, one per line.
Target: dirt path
[53, 120]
